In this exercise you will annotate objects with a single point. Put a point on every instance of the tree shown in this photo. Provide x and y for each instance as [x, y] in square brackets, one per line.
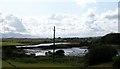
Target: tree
[100, 54]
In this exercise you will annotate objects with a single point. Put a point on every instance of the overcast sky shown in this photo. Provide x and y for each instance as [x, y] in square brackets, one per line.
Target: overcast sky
[72, 18]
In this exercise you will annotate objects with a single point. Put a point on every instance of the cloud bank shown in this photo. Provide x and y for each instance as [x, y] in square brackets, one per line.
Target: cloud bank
[67, 25]
[84, 2]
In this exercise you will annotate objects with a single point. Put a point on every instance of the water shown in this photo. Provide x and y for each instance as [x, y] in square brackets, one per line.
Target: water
[118, 54]
[68, 51]
[45, 44]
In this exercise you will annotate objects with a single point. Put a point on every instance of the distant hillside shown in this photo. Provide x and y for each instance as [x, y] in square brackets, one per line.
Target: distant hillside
[15, 35]
[112, 38]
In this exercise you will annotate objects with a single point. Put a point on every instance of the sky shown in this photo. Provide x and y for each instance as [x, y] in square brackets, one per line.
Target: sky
[72, 18]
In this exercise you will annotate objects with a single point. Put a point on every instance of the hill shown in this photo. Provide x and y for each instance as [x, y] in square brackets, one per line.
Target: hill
[112, 38]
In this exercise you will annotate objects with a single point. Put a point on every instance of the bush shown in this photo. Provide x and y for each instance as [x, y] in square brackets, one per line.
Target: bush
[100, 54]
[49, 53]
[11, 52]
[59, 53]
[116, 64]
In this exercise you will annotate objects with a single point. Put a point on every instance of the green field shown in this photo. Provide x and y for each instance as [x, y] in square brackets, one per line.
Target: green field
[36, 66]
[45, 62]
[19, 64]
[10, 44]
[53, 65]
[31, 41]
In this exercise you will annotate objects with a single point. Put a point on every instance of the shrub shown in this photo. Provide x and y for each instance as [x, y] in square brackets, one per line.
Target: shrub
[116, 64]
[100, 54]
[49, 53]
[59, 53]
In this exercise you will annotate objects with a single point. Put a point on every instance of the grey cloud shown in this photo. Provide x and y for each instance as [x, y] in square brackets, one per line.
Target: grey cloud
[55, 17]
[16, 35]
[15, 23]
[112, 16]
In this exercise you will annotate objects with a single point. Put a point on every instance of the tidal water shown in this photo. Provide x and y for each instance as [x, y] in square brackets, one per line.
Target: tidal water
[75, 51]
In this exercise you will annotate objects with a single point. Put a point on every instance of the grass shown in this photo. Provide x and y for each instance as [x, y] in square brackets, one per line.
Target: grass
[54, 65]
[30, 41]
[107, 64]
[20, 64]
[10, 44]
[46, 62]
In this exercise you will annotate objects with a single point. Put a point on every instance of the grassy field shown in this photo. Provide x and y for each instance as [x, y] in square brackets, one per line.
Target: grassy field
[107, 65]
[55, 66]
[30, 41]
[19, 64]
[35, 66]
[10, 44]
[45, 62]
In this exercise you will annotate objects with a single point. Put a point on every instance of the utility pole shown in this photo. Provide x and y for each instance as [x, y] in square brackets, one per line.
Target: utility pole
[54, 41]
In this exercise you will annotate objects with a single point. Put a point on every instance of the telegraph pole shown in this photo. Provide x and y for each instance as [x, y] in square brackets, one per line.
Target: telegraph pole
[54, 41]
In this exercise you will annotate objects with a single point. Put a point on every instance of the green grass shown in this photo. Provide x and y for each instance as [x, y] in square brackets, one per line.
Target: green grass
[46, 62]
[10, 44]
[37, 66]
[19, 64]
[107, 64]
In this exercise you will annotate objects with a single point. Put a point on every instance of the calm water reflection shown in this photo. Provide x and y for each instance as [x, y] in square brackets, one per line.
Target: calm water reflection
[68, 51]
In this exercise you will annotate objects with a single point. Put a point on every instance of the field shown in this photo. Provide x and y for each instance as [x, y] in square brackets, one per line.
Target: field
[22, 65]
[19, 64]
[37, 66]
[10, 44]
[45, 62]
[30, 41]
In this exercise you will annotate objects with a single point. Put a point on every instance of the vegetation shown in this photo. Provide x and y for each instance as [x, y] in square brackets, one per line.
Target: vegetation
[10, 44]
[59, 53]
[116, 64]
[31, 41]
[106, 65]
[20, 64]
[112, 38]
[100, 54]
[47, 61]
